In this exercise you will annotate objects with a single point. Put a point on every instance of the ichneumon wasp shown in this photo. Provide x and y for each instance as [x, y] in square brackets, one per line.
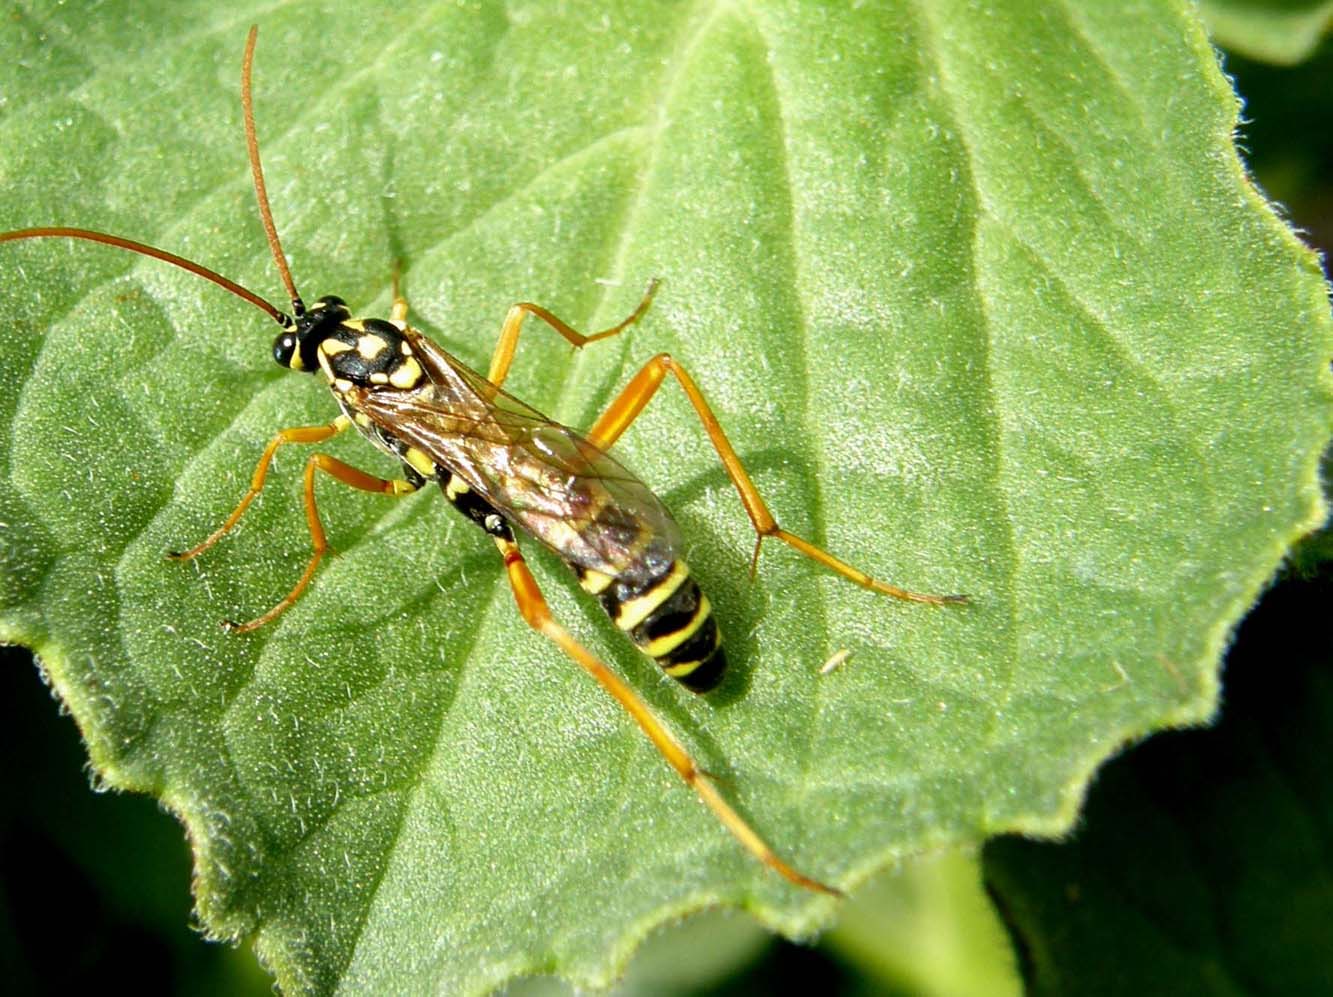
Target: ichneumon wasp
[510, 470]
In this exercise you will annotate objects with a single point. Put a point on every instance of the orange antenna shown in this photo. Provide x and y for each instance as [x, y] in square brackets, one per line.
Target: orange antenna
[257, 171]
[265, 214]
[63, 232]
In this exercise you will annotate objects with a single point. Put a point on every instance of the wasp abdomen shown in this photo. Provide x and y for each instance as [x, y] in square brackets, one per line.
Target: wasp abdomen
[670, 620]
[472, 505]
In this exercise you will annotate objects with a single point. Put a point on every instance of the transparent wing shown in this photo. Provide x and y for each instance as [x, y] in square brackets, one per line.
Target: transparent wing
[543, 477]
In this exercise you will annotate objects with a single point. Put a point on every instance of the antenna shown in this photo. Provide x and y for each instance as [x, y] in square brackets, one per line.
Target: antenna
[257, 171]
[143, 249]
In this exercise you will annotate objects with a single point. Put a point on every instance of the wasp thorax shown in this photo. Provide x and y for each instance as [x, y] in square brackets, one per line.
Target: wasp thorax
[369, 353]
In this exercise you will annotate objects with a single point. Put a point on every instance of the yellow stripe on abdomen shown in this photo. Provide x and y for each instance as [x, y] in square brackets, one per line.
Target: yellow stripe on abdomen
[632, 612]
[672, 622]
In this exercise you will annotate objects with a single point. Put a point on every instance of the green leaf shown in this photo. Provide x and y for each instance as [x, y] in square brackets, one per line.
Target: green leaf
[1203, 857]
[985, 302]
[1284, 32]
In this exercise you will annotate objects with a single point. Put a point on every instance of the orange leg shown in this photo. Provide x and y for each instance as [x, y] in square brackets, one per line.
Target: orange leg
[631, 401]
[503, 356]
[504, 349]
[298, 434]
[532, 605]
[348, 475]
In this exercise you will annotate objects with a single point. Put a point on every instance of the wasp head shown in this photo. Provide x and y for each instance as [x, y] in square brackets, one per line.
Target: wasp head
[297, 349]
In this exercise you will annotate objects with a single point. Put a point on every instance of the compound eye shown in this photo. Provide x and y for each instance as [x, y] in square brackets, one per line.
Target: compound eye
[331, 301]
[284, 351]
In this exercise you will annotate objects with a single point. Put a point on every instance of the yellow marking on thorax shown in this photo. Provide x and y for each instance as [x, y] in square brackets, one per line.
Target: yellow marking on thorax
[370, 345]
[329, 348]
[669, 642]
[421, 463]
[407, 374]
[634, 611]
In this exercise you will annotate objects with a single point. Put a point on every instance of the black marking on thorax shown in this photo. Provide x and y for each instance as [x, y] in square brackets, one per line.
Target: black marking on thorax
[369, 353]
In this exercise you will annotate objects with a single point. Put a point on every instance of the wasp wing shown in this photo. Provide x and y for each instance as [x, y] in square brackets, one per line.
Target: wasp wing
[545, 478]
